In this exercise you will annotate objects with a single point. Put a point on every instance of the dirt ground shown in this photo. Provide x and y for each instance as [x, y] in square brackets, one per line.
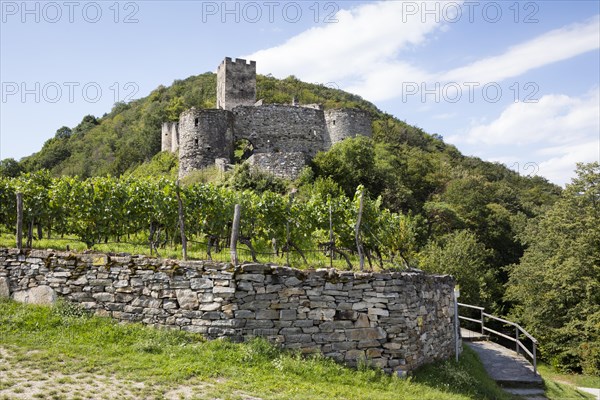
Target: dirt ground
[19, 380]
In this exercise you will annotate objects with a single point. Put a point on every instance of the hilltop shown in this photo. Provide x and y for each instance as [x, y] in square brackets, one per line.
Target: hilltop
[457, 214]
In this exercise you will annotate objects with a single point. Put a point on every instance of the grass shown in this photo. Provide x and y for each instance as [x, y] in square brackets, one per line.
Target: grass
[197, 251]
[62, 340]
[580, 380]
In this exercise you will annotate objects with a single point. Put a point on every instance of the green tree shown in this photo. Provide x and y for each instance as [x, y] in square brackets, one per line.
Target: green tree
[10, 168]
[87, 123]
[460, 254]
[63, 133]
[557, 283]
[351, 163]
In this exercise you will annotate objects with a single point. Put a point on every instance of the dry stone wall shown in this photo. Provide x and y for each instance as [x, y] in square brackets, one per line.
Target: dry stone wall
[396, 321]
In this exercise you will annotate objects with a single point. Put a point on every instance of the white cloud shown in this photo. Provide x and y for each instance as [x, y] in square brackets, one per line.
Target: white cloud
[556, 119]
[361, 52]
[559, 169]
[555, 133]
[360, 48]
[556, 45]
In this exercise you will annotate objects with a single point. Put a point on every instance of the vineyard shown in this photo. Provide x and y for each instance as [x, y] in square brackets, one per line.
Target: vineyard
[317, 226]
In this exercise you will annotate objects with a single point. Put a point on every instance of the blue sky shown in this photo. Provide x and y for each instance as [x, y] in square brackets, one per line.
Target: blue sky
[514, 82]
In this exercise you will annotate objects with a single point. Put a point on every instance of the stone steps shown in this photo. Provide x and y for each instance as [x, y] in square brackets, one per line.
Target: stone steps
[528, 394]
[510, 370]
[471, 336]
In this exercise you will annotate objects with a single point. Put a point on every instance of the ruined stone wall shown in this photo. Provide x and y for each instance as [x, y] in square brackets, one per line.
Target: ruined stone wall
[170, 137]
[283, 165]
[280, 128]
[396, 321]
[343, 123]
[205, 135]
[236, 83]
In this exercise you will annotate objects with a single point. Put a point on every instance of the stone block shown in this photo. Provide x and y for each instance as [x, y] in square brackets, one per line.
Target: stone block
[366, 334]
[4, 288]
[245, 314]
[104, 297]
[259, 323]
[298, 338]
[362, 321]
[36, 295]
[220, 290]
[267, 314]
[187, 299]
[378, 311]
[287, 315]
[321, 314]
[209, 306]
[354, 355]
[259, 278]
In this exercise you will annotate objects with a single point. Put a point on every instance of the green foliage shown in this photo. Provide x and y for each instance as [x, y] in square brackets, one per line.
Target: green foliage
[275, 91]
[10, 168]
[556, 284]
[63, 133]
[461, 255]
[351, 163]
[99, 209]
[246, 177]
[60, 340]
[162, 165]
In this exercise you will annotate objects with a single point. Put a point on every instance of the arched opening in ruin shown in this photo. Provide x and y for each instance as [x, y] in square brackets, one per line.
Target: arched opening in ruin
[242, 150]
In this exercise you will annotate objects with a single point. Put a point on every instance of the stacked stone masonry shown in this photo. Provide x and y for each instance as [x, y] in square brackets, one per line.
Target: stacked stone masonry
[273, 128]
[395, 321]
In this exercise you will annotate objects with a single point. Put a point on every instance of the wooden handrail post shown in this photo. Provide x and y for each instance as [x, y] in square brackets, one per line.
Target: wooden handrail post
[517, 339]
[482, 322]
[534, 359]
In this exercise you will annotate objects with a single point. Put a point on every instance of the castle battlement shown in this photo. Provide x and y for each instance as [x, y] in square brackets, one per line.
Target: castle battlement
[284, 137]
[236, 61]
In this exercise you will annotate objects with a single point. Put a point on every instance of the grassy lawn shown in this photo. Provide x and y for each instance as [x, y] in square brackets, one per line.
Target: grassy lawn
[64, 348]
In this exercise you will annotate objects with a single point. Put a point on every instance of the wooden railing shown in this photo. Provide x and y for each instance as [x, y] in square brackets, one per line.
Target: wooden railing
[519, 332]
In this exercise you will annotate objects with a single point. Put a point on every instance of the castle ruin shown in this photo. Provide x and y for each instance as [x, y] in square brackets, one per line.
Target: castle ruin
[283, 137]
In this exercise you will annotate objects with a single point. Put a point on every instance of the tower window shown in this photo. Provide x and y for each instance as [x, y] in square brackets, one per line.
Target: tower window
[334, 122]
[196, 122]
[196, 142]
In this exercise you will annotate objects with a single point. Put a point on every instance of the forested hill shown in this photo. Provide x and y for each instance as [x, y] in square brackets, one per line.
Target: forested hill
[412, 171]
[481, 222]
[129, 135]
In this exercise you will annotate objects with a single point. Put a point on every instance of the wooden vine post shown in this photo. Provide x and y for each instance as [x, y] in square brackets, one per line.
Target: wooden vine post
[361, 256]
[181, 223]
[20, 221]
[331, 242]
[235, 232]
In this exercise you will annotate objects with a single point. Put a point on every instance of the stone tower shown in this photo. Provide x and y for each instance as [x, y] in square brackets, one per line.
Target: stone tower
[343, 123]
[205, 135]
[236, 84]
